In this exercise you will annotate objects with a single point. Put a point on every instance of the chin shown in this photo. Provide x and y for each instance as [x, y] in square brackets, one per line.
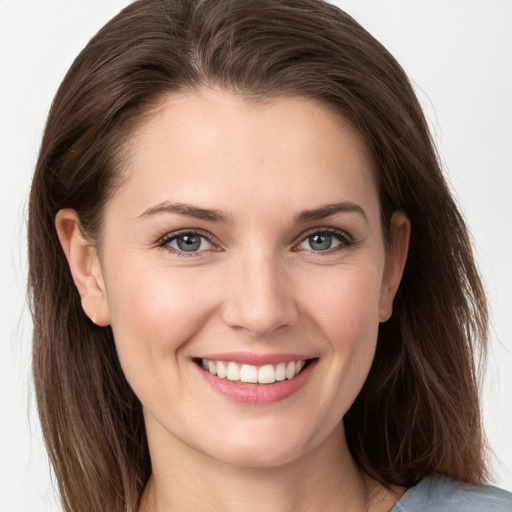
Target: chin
[257, 457]
[259, 450]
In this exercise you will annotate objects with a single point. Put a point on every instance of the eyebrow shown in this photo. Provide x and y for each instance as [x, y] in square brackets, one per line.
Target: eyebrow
[213, 215]
[184, 209]
[330, 209]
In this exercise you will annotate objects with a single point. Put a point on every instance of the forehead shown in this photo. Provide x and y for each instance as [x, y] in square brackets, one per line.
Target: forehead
[212, 146]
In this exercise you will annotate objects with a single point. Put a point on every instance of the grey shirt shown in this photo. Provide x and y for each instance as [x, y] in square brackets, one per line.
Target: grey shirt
[436, 494]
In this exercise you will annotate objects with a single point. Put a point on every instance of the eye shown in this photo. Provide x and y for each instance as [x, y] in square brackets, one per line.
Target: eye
[325, 240]
[187, 241]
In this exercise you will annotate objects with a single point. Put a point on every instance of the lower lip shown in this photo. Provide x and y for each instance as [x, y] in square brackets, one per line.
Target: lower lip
[258, 394]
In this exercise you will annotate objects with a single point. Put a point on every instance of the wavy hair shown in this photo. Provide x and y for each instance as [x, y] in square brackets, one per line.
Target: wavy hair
[418, 412]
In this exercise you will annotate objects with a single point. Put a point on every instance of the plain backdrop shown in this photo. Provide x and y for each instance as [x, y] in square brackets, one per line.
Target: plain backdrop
[458, 54]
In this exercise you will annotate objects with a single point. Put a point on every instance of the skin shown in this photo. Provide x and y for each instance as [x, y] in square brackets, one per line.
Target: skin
[257, 285]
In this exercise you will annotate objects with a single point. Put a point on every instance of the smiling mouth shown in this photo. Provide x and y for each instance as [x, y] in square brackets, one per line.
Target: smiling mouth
[247, 373]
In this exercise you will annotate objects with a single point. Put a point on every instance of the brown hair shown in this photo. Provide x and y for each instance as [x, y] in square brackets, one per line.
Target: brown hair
[418, 412]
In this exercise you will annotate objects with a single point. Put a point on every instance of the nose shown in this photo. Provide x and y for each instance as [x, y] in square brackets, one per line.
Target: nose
[259, 296]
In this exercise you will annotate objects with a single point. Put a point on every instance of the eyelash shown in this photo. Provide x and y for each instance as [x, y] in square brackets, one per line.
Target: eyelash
[344, 238]
[164, 242]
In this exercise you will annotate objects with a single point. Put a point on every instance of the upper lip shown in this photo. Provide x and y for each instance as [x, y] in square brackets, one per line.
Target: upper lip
[255, 359]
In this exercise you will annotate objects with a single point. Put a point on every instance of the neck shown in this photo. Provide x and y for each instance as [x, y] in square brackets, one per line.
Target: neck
[324, 479]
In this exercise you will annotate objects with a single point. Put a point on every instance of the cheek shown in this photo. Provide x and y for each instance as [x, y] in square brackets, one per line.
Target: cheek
[153, 314]
[345, 304]
[346, 314]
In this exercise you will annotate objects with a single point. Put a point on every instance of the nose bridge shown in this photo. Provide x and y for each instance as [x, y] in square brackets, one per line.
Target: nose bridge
[259, 297]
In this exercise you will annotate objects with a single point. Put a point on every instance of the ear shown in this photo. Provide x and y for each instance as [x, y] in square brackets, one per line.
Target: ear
[84, 265]
[400, 232]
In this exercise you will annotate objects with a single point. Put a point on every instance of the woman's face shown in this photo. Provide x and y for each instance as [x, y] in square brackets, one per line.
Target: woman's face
[246, 238]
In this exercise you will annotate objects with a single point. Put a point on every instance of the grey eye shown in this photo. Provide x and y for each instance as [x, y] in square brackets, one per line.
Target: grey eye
[322, 241]
[190, 242]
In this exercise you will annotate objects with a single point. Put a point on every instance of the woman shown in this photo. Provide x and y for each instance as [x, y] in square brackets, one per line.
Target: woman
[251, 286]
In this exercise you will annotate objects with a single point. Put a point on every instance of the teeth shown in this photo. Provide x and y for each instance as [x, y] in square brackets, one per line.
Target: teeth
[281, 371]
[233, 372]
[222, 371]
[248, 373]
[290, 370]
[267, 374]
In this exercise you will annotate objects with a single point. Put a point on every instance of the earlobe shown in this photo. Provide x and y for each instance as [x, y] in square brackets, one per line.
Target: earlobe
[400, 232]
[84, 265]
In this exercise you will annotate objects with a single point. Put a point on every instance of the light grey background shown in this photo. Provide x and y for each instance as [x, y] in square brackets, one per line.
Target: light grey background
[459, 56]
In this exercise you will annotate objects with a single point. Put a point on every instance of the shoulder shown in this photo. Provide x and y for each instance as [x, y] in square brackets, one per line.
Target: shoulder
[438, 494]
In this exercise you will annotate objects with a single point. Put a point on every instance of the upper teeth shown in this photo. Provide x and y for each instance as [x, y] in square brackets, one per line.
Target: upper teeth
[266, 374]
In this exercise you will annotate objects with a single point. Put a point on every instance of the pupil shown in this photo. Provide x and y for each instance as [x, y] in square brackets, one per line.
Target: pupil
[320, 242]
[188, 242]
